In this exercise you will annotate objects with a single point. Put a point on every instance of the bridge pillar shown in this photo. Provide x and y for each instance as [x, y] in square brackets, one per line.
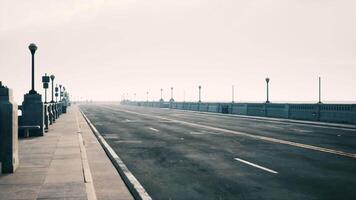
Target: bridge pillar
[9, 158]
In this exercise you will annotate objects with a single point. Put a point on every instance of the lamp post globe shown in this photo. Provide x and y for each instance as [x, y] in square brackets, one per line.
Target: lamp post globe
[32, 47]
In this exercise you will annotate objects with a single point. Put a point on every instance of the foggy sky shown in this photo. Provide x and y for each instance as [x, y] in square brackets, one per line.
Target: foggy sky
[102, 49]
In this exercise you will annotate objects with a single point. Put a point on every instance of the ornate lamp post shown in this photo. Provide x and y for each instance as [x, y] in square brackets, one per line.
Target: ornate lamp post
[319, 90]
[199, 94]
[233, 93]
[60, 93]
[171, 95]
[56, 89]
[45, 81]
[267, 82]
[52, 80]
[33, 49]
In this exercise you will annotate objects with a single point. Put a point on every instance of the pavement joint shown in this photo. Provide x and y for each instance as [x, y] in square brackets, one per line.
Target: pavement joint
[85, 165]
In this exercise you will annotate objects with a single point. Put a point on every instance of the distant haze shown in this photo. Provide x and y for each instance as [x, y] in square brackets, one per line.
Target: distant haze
[102, 49]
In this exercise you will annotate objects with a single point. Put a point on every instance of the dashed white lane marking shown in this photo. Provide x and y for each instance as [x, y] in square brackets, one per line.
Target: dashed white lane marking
[153, 129]
[257, 166]
[269, 139]
[302, 131]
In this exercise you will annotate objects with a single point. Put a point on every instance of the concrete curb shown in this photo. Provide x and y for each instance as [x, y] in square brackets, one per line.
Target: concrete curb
[134, 186]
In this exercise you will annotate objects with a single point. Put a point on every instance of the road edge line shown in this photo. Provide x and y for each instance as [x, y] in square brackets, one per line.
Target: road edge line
[134, 186]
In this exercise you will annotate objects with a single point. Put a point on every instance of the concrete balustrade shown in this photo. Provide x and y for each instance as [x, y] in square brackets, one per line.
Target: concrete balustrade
[335, 113]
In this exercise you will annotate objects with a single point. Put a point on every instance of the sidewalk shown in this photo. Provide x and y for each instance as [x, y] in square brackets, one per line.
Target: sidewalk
[67, 163]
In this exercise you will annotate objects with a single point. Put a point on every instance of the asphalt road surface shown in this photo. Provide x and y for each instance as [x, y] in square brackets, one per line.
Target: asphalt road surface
[183, 155]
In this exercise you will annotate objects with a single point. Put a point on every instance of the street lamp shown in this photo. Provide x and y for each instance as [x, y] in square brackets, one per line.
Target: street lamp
[45, 81]
[199, 93]
[233, 93]
[267, 82]
[33, 49]
[161, 95]
[56, 89]
[52, 80]
[171, 95]
[147, 95]
[319, 89]
[60, 93]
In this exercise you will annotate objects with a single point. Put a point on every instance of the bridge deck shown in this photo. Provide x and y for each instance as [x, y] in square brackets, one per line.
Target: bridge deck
[188, 155]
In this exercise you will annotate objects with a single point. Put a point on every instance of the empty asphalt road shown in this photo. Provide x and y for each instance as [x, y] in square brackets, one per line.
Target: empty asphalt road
[182, 155]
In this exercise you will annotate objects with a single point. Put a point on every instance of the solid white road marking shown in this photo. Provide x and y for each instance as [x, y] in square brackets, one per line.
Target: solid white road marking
[153, 129]
[139, 189]
[257, 166]
[269, 139]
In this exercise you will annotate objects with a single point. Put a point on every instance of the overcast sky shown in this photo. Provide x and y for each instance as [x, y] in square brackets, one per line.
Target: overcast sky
[101, 49]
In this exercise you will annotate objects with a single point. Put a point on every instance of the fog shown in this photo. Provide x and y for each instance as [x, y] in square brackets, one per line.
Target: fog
[101, 50]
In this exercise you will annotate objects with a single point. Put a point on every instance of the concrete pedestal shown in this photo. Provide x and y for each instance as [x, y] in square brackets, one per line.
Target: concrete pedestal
[59, 106]
[56, 110]
[9, 158]
[64, 108]
[33, 113]
[46, 117]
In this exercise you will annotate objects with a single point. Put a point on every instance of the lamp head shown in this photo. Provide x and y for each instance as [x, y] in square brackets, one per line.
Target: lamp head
[32, 48]
[52, 77]
[267, 80]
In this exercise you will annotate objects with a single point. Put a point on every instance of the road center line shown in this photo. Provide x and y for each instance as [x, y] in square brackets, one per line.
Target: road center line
[257, 166]
[153, 129]
[269, 139]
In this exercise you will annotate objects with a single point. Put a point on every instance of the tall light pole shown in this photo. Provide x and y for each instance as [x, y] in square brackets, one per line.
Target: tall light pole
[171, 95]
[319, 89]
[233, 93]
[60, 93]
[147, 95]
[33, 49]
[56, 89]
[199, 94]
[161, 95]
[52, 80]
[135, 97]
[267, 82]
[45, 81]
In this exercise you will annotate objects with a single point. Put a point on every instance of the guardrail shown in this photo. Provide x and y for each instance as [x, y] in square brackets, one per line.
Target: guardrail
[334, 113]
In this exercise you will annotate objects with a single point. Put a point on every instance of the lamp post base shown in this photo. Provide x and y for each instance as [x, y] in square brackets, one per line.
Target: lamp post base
[33, 113]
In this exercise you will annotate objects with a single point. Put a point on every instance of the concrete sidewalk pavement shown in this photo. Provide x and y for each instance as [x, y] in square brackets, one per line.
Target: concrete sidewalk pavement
[67, 163]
